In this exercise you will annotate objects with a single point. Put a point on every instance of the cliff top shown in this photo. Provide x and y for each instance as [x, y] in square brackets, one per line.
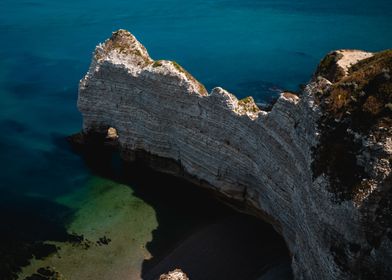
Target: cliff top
[335, 65]
[357, 110]
[123, 48]
[364, 93]
[124, 43]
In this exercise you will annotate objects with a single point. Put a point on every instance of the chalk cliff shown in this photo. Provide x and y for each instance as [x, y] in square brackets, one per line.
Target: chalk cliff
[317, 166]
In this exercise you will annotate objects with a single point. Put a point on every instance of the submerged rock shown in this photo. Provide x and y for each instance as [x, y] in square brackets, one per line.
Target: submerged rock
[46, 273]
[316, 166]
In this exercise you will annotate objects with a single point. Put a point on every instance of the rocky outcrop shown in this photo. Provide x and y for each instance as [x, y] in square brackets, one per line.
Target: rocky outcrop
[317, 166]
[176, 274]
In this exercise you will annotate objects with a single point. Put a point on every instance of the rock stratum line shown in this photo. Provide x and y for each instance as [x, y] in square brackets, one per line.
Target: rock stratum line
[317, 165]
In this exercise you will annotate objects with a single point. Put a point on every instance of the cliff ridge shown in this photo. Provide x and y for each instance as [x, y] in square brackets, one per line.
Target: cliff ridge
[317, 166]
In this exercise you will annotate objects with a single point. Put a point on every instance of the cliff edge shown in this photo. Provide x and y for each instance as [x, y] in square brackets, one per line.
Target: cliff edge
[317, 166]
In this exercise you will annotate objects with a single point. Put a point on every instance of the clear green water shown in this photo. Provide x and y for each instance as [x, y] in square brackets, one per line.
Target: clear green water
[250, 47]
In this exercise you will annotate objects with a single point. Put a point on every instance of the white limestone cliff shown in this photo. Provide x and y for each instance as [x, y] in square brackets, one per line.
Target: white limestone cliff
[266, 161]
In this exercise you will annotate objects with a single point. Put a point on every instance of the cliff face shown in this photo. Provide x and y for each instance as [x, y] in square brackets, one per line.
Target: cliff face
[317, 166]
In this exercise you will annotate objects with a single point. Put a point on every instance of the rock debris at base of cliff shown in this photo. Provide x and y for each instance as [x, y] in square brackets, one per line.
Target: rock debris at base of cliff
[176, 274]
[317, 166]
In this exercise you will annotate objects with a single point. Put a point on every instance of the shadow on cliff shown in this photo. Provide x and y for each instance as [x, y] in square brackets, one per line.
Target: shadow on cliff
[197, 233]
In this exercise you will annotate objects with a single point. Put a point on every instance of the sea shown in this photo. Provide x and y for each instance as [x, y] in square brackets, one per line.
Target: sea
[92, 221]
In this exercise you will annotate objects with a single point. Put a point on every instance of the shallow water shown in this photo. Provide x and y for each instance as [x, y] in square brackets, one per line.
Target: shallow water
[250, 47]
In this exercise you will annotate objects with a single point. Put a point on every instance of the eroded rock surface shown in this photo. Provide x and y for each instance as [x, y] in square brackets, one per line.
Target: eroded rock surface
[317, 166]
[176, 274]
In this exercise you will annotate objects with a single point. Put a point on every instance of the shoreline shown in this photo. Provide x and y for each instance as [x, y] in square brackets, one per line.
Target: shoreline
[103, 205]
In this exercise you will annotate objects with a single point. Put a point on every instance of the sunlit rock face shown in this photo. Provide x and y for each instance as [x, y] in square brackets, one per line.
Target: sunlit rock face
[176, 274]
[317, 166]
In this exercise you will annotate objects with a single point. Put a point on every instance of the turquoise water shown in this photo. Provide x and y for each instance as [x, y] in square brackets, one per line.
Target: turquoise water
[248, 47]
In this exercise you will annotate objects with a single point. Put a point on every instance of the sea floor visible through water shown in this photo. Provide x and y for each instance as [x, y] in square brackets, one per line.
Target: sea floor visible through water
[121, 236]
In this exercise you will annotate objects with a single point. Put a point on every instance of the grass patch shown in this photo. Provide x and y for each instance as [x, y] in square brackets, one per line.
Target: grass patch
[157, 63]
[126, 44]
[358, 102]
[248, 104]
[201, 88]
[329, 69]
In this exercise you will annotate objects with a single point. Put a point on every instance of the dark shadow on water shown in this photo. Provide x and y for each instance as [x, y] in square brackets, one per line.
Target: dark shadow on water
[28, 215]
[196, 233]
[50, 173]
[26, 223]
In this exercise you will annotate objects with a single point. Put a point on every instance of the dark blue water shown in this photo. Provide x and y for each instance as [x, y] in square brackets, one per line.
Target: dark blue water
[250, 47]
